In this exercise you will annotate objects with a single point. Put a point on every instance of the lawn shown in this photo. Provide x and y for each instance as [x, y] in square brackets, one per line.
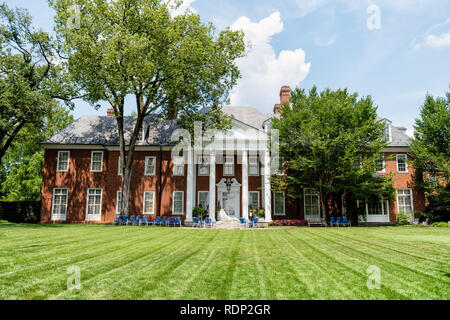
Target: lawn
[161, 263]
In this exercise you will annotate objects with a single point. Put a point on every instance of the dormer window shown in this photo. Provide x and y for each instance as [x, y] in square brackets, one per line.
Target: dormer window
[387, 132]
[141, 136]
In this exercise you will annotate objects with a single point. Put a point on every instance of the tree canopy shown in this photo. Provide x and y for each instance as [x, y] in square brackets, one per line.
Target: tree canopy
[331, 141]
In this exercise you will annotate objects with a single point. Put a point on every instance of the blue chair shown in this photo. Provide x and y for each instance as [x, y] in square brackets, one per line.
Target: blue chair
[171, 222]
[333, 222]
[209, 222]
[253, 223]
[137, 221]
[144, 220]
[163, 221]
[155, 221]
[178, 222]
[197, 223]
[346, 222]
[131, 220]
[118, 220]
[243, 222]
[124, 220]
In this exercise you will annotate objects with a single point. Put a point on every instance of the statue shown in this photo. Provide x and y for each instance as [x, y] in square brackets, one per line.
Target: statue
[227, 222]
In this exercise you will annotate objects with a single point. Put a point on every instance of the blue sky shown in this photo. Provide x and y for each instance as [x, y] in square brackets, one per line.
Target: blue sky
[328, 43]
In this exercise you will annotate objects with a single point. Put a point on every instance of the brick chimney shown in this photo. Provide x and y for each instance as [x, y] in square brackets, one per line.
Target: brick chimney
[285, 97]
[110, 113]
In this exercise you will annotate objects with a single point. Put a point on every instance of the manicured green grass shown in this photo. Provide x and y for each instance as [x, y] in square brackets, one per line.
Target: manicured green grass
[161, 263]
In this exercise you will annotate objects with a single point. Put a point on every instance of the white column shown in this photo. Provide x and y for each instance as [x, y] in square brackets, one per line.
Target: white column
[245, 184]
[267, 188]
[189, 186]
[212, 186]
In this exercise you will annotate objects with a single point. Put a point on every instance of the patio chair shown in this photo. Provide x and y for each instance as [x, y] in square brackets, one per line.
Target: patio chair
[163, 221]
[243, 222]
[144, 220]
[345, 222]
[253, 223]
[118, 220]
[178, 222]
[155, 221]
[197, 223]
[137, 221]
[171, 222]
[131, 220]
[124, 220]
[209, 222]
[333, 222]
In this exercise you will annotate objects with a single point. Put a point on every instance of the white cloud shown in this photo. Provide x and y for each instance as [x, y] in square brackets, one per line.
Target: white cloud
[185, 5]
[431, 40]
[438, 41]
[263, 72]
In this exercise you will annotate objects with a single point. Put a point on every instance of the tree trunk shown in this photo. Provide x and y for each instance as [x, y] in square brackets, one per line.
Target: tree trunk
[323, 208]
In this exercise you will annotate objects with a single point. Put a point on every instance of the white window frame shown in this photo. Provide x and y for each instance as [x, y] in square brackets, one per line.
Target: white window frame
[384, 165]
[147, 159]
[316, 193]
[259, 199]
[250, 165]
[274, 204]
[175, 165]
[141, 137]
[202, 163]
[153, 202]
[92, 161]
[383, 217]
[118, 194]
[58, 161]
[207, 199]
[412, 200]
[388, 126]
[406, 162]
[182, 203]
[59, 217]
[227, 163]
[99, 216]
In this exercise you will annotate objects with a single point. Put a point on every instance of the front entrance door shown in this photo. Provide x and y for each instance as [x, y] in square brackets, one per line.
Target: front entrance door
[229, 203]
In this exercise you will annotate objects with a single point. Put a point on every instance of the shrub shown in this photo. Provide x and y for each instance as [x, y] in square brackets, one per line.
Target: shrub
[286, 223]
[440, 224]
[403, 218]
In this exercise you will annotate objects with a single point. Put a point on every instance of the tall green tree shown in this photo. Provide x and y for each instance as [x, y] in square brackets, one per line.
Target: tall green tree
[431, 155]
[331, 141]
[171, 65]
[32, 75]
[23, 162]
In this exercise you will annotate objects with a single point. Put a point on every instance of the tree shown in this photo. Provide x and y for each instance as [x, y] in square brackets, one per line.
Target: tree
[331, 141]
[23, 162]
[431, 155]
[171, 65]
[31, 75]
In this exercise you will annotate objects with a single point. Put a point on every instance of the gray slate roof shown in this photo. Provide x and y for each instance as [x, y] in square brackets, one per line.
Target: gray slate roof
[98, 130]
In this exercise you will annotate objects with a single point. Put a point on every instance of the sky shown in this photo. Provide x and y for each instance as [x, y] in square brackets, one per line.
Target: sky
[396, 51]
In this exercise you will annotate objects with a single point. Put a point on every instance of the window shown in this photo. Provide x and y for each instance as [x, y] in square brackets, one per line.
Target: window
[379, 164]
[253, 199]
[59, 204]
[375, 208]
[118, 201]
[387, 133]
[279, 204]
[94, 203]
[404, 200]
[178, 166]
[149, 202]
[97, 161]
[141, 136]
[63, 161]
[203, 167]
[228, 166]
[150, 166]
[311, 201]
[253, 166]
[178, 203]
[402, 165]
[203, 199]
